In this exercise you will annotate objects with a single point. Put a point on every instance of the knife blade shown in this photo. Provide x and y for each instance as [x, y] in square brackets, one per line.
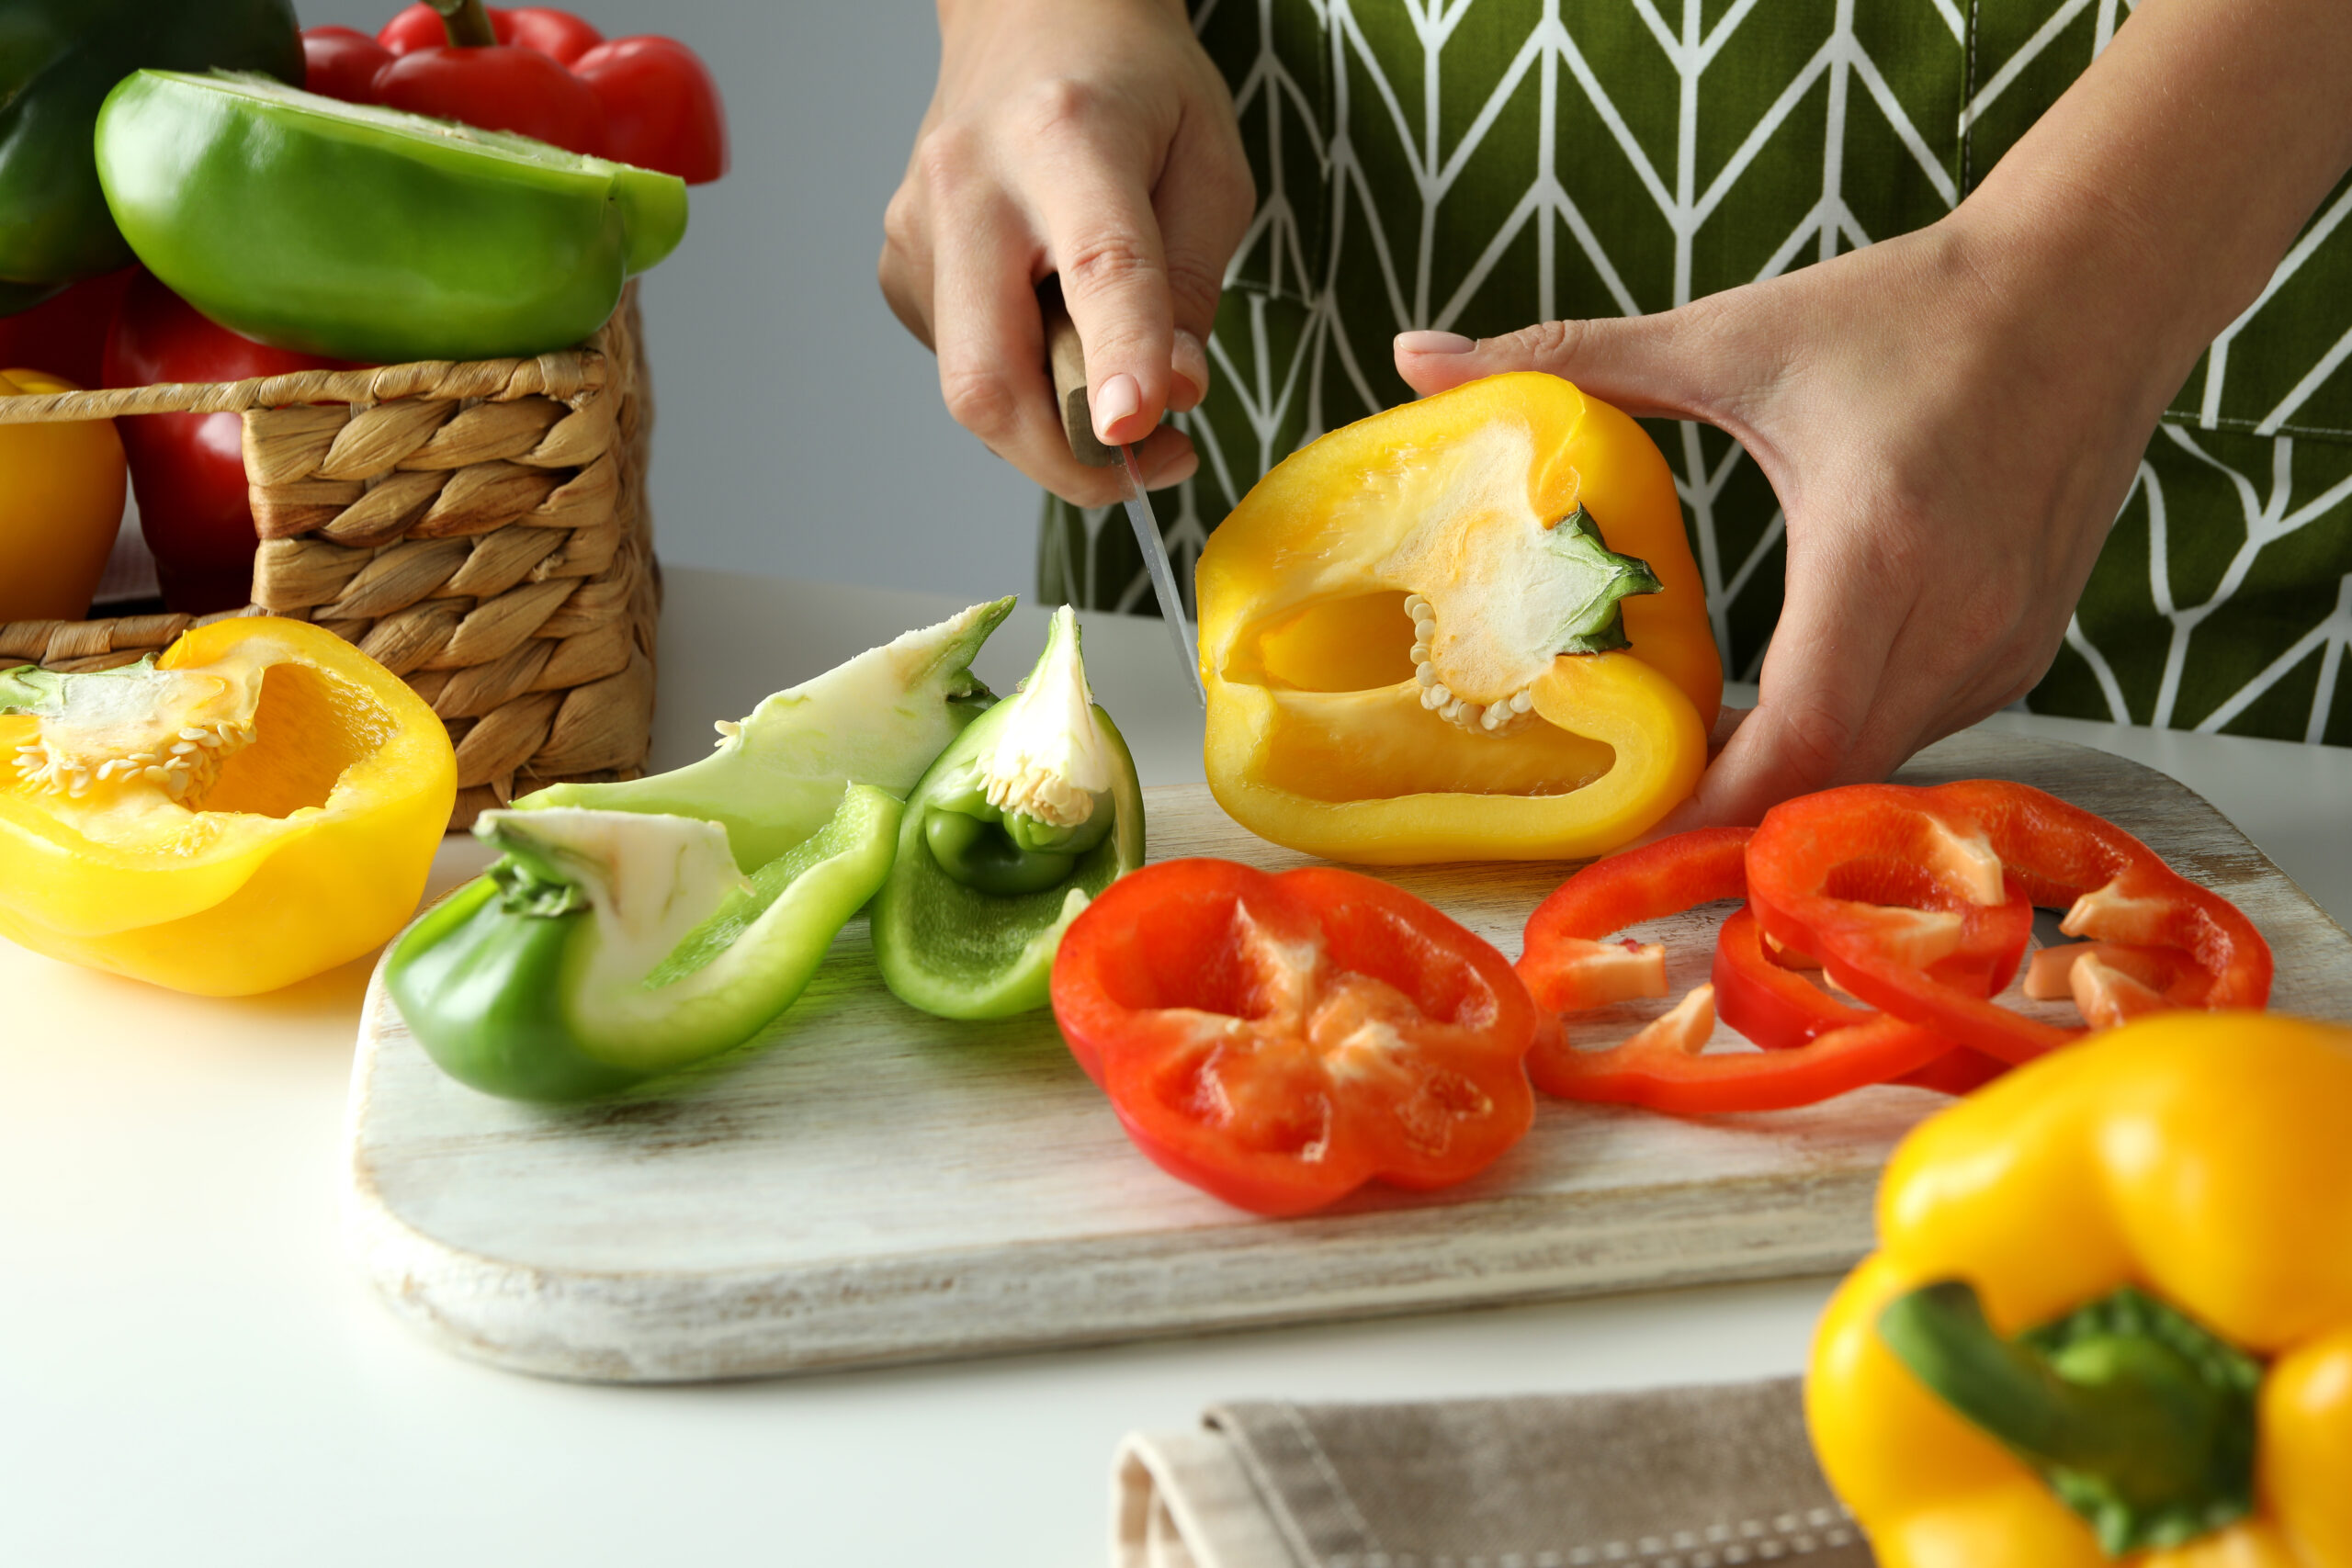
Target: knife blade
[1067, 359]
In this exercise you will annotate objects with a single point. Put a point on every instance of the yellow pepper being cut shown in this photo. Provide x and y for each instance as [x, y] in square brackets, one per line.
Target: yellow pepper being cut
[258, 805]
[2111, 1313]
[1468, 629]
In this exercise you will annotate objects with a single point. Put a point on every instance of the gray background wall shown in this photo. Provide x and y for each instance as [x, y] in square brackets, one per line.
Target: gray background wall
[801, 431]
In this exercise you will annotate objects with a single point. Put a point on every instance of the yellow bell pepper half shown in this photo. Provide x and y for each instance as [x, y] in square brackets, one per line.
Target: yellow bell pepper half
[259, 805]
[2133, 1260]
[1417, 642]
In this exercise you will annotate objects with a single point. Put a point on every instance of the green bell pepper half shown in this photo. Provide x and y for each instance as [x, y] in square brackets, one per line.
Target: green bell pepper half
[995, 855]
[58, 60]
[360, 232]
[607, 948]
[777, 774]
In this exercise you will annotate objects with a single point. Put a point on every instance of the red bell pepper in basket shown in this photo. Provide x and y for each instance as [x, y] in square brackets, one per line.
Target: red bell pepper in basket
[540, 72]
[1281, 1040]
[188, 469]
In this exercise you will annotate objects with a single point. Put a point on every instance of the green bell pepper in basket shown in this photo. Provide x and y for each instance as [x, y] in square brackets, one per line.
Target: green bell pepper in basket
[359, 232]
[58, 60]
[608, 947]
[1024, 818]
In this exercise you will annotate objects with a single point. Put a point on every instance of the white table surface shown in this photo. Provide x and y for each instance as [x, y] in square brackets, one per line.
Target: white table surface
[191, 1373]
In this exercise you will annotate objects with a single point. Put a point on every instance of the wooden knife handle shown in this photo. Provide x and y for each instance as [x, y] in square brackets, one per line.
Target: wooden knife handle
[1067, 358]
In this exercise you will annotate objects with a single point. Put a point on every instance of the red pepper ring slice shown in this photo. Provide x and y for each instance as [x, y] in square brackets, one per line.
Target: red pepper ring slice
[1780, 1009]
[2112, 885]
[1562, 962]
[1280, 1039]
[1657, 1067]
[1651, 1069]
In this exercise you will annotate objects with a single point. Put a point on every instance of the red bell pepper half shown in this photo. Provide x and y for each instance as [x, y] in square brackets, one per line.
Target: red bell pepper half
[1812, 865]
[1280, 1039]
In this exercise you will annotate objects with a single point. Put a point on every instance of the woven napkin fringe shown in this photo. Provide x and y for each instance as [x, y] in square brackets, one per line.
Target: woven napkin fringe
[1680, 1478]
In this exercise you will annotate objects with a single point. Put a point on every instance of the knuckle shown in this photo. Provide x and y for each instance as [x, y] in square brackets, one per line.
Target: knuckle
[1815, 742]
[1105, 260]
[947, 155]
[1061, 108]
[901, 223]
[1552, 342]
[1193, 289]
[979, 400]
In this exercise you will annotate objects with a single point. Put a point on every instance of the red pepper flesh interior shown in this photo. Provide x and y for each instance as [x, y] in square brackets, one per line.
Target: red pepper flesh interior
[1280, 1039]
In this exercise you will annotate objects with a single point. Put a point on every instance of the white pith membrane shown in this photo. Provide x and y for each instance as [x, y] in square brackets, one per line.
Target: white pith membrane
[1439, 698]
[166, 730]
[1490, 587]
[885, 680]
[650, 879]
[1046, 757]
[1344, 1022]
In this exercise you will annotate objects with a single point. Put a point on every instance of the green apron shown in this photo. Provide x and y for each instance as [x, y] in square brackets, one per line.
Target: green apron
[1484, 164]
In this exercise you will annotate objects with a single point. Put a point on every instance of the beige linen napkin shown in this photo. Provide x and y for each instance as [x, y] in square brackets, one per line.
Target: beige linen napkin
[1678, 1478]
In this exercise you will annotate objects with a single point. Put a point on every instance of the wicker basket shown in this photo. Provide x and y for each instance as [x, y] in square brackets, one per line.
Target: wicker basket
[479, 528]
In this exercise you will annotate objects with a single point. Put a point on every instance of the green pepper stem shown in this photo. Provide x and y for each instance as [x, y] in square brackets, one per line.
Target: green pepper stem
[2141, 1420]
[467, 23]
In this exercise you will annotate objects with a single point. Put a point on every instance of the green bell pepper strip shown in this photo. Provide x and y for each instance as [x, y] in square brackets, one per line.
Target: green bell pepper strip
[58, 60]
[1024, 818]
[609, 947]
[360, 232]
[777, 774]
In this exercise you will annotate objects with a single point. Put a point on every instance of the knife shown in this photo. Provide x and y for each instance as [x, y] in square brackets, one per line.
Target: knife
[1067, 357]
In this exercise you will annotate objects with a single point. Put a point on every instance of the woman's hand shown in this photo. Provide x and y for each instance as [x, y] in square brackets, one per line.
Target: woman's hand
[1089, 138]
[1948, 463]
[1952, 419]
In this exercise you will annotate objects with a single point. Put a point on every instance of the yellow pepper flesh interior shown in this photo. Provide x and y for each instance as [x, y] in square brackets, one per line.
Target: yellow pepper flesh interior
[309, 790]
[1335, 727]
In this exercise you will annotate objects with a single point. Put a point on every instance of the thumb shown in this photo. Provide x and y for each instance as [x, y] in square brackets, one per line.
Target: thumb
[1648, 365]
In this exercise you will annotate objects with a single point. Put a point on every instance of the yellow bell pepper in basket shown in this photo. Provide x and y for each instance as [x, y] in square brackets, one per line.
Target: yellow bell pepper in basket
[61, 500]
[1468, 629]
[2111, 1313]
[258, 805]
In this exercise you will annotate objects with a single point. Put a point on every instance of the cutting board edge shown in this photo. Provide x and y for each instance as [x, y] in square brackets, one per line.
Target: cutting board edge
[652, 1327]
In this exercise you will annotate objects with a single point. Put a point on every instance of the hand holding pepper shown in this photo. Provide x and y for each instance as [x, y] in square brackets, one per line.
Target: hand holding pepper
[1952, 419]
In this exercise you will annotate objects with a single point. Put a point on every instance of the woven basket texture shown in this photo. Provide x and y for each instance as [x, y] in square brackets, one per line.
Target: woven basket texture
[479, 528]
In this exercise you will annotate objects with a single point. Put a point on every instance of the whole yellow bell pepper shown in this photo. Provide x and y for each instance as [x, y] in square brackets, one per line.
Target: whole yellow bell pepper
[61, 501]
[258, 805]
[2111, 1313]
[1467, 628]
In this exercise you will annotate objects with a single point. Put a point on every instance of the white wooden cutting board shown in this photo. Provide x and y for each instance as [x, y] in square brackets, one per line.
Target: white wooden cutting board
[876, 1185]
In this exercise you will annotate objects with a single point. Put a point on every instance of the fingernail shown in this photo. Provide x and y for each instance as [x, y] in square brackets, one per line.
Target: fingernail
[1115, 400]
[1434, 343]
[1189, 363]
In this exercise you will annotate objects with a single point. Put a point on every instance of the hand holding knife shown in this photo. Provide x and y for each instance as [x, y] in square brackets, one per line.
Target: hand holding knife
[1067, 357]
